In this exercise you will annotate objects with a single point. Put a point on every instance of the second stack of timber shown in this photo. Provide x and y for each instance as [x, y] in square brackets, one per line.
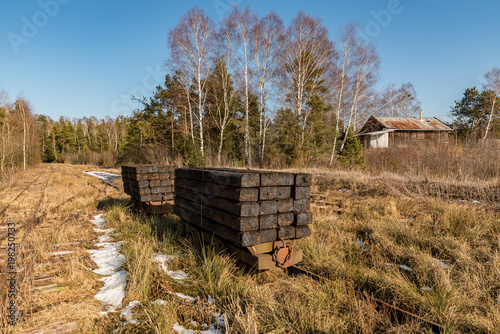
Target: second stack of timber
[147, 183]
[246, 207]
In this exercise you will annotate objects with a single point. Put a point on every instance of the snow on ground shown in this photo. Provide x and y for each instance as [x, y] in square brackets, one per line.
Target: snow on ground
[128, 314]
[186, 297]
[162, 260]
[108, 177]
[109, 260]
[220, 321]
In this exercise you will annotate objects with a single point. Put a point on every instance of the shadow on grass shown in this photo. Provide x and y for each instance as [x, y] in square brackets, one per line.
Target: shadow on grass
[109, 202]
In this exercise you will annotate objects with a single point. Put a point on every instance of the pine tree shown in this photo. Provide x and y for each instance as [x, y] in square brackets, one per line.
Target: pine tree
[351, 154]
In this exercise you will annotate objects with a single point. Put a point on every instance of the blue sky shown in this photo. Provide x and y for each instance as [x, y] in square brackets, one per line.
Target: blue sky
[80, 58]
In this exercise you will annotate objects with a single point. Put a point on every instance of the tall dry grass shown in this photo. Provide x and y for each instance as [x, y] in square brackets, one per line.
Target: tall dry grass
[467, 163]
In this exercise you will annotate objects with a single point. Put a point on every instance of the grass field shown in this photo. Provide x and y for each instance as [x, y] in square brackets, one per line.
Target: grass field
[428, 247]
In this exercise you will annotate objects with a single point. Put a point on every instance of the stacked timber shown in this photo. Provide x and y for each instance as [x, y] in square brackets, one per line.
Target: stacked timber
[246, 207]
[148, 183]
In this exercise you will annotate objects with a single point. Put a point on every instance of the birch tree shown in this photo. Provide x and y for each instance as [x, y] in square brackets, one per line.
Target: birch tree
[366, 66]
[493, 84]
[400, 102]
[347, 44]
[238, 30]
[308, 58]
[222, 96]
[267, 45]
[5, 123]
[192, 43]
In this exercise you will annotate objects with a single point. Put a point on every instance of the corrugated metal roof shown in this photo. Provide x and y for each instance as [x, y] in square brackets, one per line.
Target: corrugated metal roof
[375, 132]
[410, 123]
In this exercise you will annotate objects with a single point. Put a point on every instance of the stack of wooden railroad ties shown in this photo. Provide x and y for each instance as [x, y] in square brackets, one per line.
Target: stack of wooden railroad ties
[261, 214]
[258, 215]
[150, 186]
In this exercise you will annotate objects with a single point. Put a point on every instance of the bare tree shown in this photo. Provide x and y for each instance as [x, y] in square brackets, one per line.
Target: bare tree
[238, 29]
[366, 66]
[400, 102]
[5, 109]
[308, 59]
[222, 91]
[493, 84]
[267, 45]
[192, 43]
[24, 109]
[347, 44]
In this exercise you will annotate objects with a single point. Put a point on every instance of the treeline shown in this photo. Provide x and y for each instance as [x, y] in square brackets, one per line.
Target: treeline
[82, 141]
[19, 135]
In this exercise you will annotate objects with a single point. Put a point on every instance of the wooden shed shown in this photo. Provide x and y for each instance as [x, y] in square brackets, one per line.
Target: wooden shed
[403, 132]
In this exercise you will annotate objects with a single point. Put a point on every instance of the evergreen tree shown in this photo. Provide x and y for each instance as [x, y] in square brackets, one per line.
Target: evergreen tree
[351, 154]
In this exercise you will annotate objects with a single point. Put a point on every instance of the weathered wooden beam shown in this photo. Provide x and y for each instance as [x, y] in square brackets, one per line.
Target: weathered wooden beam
[270, 193]
[301, 192]
[243, 209]
[301, 205]
[268, 221]
[268, 208]
[244, 239]
[234, 222]
[285, 218]
[286, 232]
[302, 231]
[235, 179]
[303, 218]
[229, 192]
[303, 180]
[285, 205]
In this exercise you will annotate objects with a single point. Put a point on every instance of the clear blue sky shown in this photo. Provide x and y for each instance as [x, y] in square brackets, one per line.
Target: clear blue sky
[87, 57]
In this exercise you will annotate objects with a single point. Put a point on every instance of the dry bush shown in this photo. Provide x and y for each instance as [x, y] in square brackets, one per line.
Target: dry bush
[471, 162]
[106, 159]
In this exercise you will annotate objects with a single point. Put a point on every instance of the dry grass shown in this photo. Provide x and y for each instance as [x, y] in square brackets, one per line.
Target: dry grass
[467, 163]
[399, 221]
[55, 287]
[409, 229]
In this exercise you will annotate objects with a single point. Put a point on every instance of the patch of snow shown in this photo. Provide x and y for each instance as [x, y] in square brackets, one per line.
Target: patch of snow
[405, 267]
[108, 177]
[402, 266]
[181, 330]
[359, 243]
[105, 238]
[220, 320]
[441, 263]
[211, 300]
[186, 298]
[426, 288]
[113, 291]
[109, 260]
[128, 314]
[162, 260]
[159, 302]
[98, 221]
[178, 275]
[61, 253]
